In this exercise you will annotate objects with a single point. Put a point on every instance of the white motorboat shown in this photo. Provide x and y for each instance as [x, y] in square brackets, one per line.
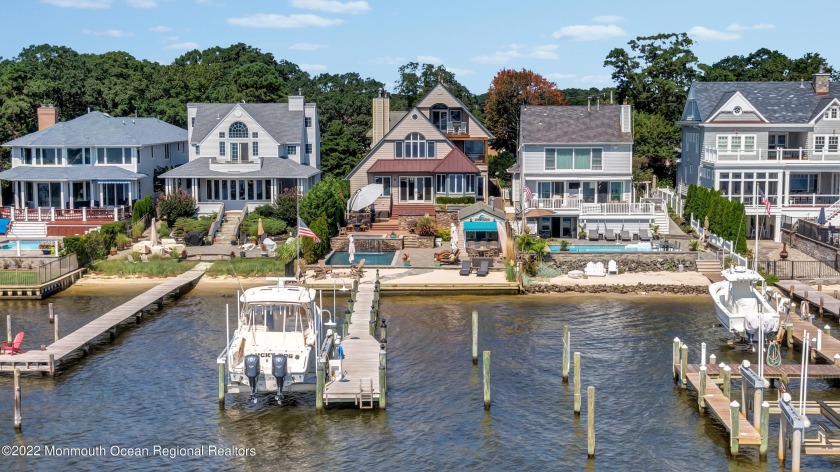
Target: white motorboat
[740, 307]
[273, 348]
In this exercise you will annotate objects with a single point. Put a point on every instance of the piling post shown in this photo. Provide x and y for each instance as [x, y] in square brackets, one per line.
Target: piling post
[764, 429]
[221, 386]
[55, 328]
[789, 334]
[486, 366]
[345, 327]
[475, 337]
[712, 359]
[590, 421]
[827, 330]
[18, 420]
[8, 329]
[676, 358]
[702, 353]
[567, 346]
[733, 427]
[821, 306]
[796, 449]
[684, 367]
[701, 395]
[382, 377]
[50, 308]
[744, 393]
[383, 332]
[782, 438]
[319, 386]
[758, 401]
[52, 365]
[727, 382]
[577, 384]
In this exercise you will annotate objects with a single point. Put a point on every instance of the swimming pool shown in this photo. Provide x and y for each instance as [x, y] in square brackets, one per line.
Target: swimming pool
[25, 245]
[638, 247]
[371, 258]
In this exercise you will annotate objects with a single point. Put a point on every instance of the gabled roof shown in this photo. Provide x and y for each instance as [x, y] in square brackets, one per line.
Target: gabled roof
[100, 129]
[480, 207]
[459, 102]
[282, 125]
[272, 167]
[64, 173]
[778, 102]
[572, 125]
[456, 162]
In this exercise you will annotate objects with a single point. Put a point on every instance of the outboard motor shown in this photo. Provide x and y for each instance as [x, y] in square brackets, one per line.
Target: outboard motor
[252, 371]
[278, 370]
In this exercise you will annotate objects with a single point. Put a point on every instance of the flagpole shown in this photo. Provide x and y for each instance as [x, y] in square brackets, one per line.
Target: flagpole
[297, 235]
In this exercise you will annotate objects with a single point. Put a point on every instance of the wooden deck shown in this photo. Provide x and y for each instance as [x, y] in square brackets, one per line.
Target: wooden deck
[718, 405]
[830, 345]
[361, 354]
[831, 305]
[82, 338]
[784, 371]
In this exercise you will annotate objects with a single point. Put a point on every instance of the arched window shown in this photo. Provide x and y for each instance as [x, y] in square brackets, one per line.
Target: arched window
[238, 130]
[415, 145]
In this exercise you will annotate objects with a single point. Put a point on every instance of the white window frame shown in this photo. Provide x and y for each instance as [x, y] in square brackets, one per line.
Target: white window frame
[594, 163]
[833, 113]
[221, 148]
[823, 143]
[735, 143]
[417, 178]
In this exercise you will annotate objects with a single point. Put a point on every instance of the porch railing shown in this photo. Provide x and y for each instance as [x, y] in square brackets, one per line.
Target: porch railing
[778, 154]
[556, 203]
[617, 208]
[66, 214]
[785, 269]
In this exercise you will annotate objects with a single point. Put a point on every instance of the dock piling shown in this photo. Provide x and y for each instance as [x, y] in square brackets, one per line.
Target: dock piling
[577, 384]
[221, 386]
[684, 367]
[727, 382]
[52, 365]
[701, 395]
[827, 330]
[702, 353]
[713, 360]
[796, 449]
[758, 401]
[676, 358]
[764, 429]
[837, 359]
[486, 366]
[475, 337]
[590, 421]
[55, 328]
[734, 414]
[50, 308]
[8, 329]
[319, 386]
[782, 439]
[18, 419]
[383, 385]
[567, 346]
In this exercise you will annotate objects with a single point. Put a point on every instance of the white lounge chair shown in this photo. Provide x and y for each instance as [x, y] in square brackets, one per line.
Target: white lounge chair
[595, 269]
[612, 268]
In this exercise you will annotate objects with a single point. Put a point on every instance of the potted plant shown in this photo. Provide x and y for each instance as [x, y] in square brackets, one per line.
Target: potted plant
[582, 231]
[242, 251]
[233, 241]
[123, 241]
[46, 248]
[564, 245]
[393, 235]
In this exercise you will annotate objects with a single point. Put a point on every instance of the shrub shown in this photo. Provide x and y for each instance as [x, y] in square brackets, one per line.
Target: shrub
[426, 226]
[271, 226]
[564, 245]
[123, 240]
[285, 207]
[176, 205]
[545, 271]
[313, 251]
[137, 229]
[266, 211]
[444, 234]
[694, 245]
[510, 271]
[185, 225]
[464, 200]
[142, 208]
[163, 230]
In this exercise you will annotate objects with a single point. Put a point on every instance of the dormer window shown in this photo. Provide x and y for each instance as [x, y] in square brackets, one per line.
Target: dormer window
[832, 113]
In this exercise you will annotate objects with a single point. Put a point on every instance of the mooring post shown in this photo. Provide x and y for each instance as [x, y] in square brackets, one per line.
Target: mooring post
[221, 386]
[567, 346]
[345, 327]
[590, 421]
[475, 337]
[383, 385]
[486, 366]
[8, 329]
[319, 386]
[112, 333]
[734, 415]
[684, 367]
[758, 401]
[55, 328]
[701, 395]
[18, 420]
[702, 353]
[827, 330]
[577, 383]
[782, 438]
[821, 306]
[50, 308]
[744, 395]
[764, 429]
[713, 360]
[676, 358]
[52, 365]
[727, 382]
[796, 449]
[789, 334]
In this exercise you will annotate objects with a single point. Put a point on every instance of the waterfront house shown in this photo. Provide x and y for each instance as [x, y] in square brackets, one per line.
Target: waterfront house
[247, 153]
[436, 149]
[576, 162]
[779, 138]
[72, 175]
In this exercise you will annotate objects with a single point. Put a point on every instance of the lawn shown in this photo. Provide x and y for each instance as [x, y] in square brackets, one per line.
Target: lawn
[18, 277]
[159, 268]
[263, 267]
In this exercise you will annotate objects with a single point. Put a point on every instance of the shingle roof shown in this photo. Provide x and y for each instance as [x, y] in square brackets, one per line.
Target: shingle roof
[479, 207]
[100, 129]
[404, 165]
[572, 125]
[63, 173]
[272, 167]
[778, 102]
[282, 125]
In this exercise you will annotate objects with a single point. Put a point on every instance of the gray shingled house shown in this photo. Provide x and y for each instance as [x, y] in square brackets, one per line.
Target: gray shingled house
[776, 138]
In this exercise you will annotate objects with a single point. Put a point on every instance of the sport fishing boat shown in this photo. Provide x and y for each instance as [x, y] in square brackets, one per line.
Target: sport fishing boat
[740, 307]
[273, 348]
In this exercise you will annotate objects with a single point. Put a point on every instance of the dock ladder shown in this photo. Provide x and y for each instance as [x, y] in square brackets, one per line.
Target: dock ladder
[365, 398]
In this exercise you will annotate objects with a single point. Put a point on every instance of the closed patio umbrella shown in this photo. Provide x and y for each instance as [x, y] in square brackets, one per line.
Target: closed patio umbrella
[821, 218]
[365, 196]
[153, 237]
[453, 235]
[351, 250]
[260, 229]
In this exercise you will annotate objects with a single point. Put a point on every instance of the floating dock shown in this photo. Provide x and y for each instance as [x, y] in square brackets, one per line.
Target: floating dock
[80, 340]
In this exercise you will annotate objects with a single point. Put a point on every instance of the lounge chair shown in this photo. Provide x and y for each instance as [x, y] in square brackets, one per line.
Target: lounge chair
[595, 269]
[484, 268]
[625, 235]
[322, 269]
[450, 258]
[612, 268]
[644, 235]
[13, 348]
[609, 235]
[465, 268]
[593, 235]
[358, 271]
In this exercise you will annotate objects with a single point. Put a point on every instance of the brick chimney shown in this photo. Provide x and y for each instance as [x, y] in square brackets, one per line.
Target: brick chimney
[47, 116]
[381, 117]
[821, 82]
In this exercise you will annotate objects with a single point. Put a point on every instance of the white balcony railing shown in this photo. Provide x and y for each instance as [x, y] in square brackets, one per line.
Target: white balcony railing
[780, 155]
[250, 165]
[568, 203]
[792, 200]
[617, 209]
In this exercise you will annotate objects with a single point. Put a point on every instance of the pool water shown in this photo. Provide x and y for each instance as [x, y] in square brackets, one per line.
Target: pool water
[638, 247]
[25, 245]
[371, 258]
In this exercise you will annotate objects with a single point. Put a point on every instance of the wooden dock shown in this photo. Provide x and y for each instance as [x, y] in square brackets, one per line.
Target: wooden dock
[782, 372]
[831, 305]
[830, 345]
[81, 339]
[361, 357]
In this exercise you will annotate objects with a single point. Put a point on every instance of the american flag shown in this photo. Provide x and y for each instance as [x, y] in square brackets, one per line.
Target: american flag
[765, 201]
[304, 231]
[528, 194]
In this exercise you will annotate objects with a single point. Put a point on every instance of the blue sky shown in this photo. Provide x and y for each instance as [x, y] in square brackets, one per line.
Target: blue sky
[564, 41]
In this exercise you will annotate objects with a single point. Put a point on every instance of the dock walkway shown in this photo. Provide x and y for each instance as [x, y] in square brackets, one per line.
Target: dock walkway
[361, 355]
[61, 350]
[831, 305]
[718, 405]
[783, 372]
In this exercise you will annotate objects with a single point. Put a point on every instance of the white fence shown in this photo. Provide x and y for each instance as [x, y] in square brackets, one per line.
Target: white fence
[673, 199]
[721, 243]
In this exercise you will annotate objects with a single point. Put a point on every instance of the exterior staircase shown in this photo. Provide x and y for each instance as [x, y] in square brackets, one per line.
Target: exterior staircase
[411, 241]
[708, 266]
[227, 227]
[832, 213]
[392, 224]
[28, 230]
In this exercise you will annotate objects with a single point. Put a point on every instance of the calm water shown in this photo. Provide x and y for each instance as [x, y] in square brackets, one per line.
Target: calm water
[25, 245]
[158, 386]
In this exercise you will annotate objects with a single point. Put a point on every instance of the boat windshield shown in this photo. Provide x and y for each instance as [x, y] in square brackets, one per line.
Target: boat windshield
[278, 317]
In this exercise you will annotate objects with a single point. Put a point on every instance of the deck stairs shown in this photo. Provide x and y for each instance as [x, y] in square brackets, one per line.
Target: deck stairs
[708, 266]
[832, 212]
[227, 227]
[28, 230]
[392, 224]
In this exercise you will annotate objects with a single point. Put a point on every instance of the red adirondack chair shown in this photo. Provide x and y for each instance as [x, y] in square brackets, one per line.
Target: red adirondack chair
[14, 348]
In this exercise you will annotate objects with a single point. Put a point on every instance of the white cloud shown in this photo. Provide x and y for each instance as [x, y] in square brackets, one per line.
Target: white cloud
[608, 19]
[114, 33]
[332, 6]
[313, 67]
[460, 71]
[389, 60]
[702, 33]
[429, 60]
[588, 32]
[560, 76]
[266, 20]
[79, 3]
[142, 3]
[160, 29]
[517, 51]
[306, 47]
[186, 46]
[173, 38]
[759, 26]
[596, 79]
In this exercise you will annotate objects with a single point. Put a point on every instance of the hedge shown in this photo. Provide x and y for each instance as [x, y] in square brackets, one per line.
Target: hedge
[726, 218]
[465, 200]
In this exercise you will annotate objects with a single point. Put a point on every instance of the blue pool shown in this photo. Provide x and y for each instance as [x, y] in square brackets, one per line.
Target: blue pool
[638, 247]
[371, 258]
[25, 245]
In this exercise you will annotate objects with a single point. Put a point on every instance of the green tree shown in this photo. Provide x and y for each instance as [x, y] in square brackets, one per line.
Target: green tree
[416, 80]
[764, 65]
[339, 152]
[498, 166]
[285, 206]
[329, 199]
[656, 141]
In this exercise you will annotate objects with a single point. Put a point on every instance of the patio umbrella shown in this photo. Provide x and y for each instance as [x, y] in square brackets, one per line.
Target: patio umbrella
[153, 238]
[821, 218]
[260, 229]
[453, 234]
[538, 212]
[706, 228]
[351, 250]
[365, 196]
